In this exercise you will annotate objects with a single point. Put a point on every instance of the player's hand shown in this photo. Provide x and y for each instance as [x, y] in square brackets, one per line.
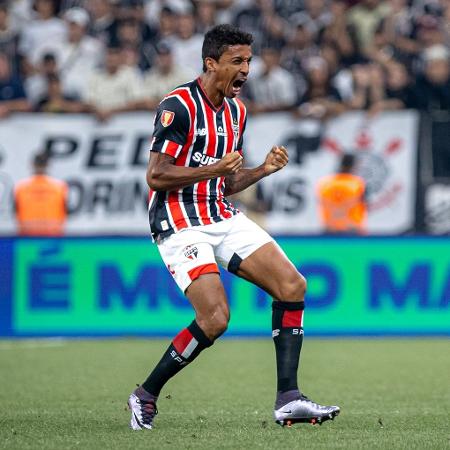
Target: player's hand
[229, 164]
[276, 159]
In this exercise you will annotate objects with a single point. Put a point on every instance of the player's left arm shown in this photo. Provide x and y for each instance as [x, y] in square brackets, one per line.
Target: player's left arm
[275, 160]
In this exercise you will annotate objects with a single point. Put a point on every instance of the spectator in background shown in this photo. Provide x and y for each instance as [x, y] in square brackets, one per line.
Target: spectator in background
[321, 99]
[9, 37]
[428, 32]
[131, 58]
[285, 9]
[55, 101]
[340, 75]
[397, 89]
[36, 84]
[79, 55]
[102, 19]
[206, 13]
[21, 12]
[41, 202]
[261, 20]
[300, 47]
[339, 34]
[115, 88]
[368, 86]
[274, 88]
[342, 206]
[407, 31]
[12, 93]
[167, 24]
[132, 30]
[162, 78]
[316, 17]
[433, 86]
[42, 34]
[135, 9]
[129, 34]
[187, 44]
[366, 17]
[393, 38]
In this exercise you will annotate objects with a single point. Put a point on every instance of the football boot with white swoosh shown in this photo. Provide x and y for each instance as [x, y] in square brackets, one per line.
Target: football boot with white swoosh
[304, 410]
[142, 412]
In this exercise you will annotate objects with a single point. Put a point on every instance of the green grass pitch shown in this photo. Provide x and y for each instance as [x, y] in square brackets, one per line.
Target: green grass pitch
[72, 395]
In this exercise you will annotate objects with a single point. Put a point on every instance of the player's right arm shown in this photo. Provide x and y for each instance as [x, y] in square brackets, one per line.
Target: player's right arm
[163, 175]
[172, 125]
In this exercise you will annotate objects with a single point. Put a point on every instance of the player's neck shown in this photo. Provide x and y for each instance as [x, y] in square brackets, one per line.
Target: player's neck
[209, 86]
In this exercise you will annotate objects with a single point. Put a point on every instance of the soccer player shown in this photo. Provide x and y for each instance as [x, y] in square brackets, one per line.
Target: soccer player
[195, 162]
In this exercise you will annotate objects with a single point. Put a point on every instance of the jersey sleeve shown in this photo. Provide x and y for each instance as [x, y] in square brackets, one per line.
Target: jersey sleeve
[171, 127]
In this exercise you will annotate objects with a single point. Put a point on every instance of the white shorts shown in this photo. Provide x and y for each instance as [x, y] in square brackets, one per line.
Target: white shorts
[197, 250]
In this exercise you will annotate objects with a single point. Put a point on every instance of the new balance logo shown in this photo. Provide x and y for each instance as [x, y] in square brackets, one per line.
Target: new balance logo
[275, 333]
[200, 132]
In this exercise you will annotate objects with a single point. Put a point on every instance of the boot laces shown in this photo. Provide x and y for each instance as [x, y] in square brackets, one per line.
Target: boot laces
[148, 410]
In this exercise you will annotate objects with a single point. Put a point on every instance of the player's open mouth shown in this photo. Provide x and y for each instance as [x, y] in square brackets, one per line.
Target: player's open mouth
[237, 84]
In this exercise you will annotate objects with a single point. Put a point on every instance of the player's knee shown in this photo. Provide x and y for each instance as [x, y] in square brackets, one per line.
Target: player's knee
[215, 323]
[294, 288]
[220, 325]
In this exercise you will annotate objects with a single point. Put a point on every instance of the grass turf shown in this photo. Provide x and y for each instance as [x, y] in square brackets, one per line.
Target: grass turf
[72, 394]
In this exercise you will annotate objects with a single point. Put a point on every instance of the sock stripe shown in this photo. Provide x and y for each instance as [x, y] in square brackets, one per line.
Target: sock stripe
[292, 319]
[189, 348]
[182, 340]
[184, 348]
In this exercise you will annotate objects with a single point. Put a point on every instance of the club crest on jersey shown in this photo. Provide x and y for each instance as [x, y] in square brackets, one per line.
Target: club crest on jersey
[167, 117]
[190, 252]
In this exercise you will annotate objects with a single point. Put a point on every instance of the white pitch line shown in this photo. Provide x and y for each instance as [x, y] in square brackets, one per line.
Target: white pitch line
[32, 344]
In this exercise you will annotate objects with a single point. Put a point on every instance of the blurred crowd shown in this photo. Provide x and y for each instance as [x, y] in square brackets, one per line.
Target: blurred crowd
[316, 58]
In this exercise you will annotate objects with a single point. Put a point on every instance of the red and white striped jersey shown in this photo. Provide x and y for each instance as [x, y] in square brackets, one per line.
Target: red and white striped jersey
[190, 129]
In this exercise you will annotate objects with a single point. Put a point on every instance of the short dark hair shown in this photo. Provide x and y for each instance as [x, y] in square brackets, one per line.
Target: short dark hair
[219, 38]
[40, 159]
[347, 162]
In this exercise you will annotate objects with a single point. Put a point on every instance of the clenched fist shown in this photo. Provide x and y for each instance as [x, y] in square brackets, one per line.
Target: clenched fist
[229, 164]
[276, 159]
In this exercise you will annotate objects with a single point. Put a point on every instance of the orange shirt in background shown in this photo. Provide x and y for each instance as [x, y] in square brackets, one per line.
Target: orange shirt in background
[341, 203]
[41, 206]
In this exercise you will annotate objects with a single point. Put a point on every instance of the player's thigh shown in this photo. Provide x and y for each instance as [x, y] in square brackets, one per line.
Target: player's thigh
[270, 269]
[189, 257]
[250, 252]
